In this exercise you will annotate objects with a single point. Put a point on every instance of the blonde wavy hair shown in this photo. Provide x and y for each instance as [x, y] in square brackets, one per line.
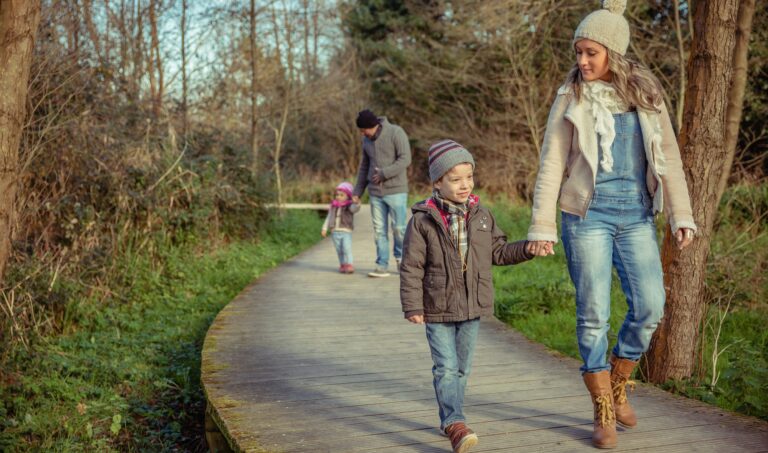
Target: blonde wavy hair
[634, 83]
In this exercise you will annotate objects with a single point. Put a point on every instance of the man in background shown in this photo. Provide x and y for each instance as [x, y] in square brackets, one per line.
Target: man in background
[383, 170]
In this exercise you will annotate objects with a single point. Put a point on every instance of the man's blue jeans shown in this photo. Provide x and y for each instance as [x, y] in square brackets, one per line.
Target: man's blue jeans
[617, 231]
[452, 345]
[381, 208]
[342, 240]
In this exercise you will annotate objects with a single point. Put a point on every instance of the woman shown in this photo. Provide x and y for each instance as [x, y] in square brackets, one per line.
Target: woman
[609, 133]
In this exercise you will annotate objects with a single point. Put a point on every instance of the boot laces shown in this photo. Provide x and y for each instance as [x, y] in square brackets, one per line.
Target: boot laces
[604, 409]
[620, 390]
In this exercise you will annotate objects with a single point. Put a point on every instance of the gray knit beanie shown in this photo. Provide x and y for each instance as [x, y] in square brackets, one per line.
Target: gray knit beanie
[444, 155]
[606, 26]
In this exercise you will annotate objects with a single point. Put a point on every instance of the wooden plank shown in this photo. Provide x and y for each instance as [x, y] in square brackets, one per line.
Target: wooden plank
[309, 360]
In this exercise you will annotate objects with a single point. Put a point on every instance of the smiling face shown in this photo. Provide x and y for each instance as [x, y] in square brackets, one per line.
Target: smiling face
[457, 184]
[592, 59]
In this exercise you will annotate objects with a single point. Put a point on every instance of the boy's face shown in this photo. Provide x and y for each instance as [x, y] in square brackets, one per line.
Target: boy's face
[457, 184]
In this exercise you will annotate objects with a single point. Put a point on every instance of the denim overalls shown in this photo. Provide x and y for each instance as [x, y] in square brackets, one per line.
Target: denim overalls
[618, 230]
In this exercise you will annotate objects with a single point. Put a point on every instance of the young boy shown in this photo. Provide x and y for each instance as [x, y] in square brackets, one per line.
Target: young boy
[445, 277]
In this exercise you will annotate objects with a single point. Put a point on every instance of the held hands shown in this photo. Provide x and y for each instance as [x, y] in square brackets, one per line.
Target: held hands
[416, 319]
[540, 248]
[684, 237]
[324, 233]
[355, 199]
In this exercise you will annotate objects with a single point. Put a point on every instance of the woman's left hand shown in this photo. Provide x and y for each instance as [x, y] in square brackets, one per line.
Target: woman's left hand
[684, 237]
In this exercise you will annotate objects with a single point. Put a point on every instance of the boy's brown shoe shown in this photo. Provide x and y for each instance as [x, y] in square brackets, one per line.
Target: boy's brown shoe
[462, 438]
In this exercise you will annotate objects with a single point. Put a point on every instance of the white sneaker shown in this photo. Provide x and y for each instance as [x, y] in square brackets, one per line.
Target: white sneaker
[379, 272]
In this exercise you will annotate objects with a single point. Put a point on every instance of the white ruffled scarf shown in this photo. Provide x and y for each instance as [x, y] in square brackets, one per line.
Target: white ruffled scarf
[604, 102]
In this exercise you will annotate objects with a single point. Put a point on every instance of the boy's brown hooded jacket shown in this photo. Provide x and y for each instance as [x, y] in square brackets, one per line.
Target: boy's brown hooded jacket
[431, 279]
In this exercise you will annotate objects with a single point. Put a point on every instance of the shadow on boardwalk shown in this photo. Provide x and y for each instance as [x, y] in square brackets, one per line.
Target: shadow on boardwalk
[309, 360]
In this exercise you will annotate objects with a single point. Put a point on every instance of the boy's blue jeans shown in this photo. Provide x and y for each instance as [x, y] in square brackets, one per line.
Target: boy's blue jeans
[452, 345]
[617, 231]
[381, 208]
[342, 240]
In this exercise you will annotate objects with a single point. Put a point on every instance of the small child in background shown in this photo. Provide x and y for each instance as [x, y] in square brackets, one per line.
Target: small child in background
[450, 245]
[339, 222]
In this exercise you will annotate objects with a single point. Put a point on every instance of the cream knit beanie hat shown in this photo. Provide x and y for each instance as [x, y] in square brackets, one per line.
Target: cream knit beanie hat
[606, 26]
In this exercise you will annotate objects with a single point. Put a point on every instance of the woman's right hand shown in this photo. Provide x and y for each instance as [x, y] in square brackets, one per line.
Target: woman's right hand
[540, 248]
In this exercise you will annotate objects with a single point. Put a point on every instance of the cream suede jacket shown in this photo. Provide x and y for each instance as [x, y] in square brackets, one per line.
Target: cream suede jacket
[569, 160]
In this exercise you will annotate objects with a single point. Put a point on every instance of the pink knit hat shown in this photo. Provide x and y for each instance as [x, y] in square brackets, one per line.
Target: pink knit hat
[345, 187]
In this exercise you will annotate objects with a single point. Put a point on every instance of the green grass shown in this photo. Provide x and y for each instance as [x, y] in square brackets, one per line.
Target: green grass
[537, 298]
[128, 377]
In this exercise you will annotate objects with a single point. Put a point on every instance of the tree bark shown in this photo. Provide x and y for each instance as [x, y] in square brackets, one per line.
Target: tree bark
[681, 59]
[91, 29]
[155, 61]
[738, 87]
[308, 70]
[18, 27]
[184, 70]
[254, 97]
[703, 151]
[138, 51]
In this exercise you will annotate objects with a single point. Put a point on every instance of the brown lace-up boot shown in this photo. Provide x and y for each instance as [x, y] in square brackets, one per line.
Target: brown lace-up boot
[621, 370]
[462, 438]
[599, 386]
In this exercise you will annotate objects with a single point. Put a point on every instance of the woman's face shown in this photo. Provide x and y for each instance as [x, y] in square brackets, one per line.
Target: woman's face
[592, 59]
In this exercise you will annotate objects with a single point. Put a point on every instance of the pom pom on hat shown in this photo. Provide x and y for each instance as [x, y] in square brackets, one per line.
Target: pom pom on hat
[615, 6]
[606, 26]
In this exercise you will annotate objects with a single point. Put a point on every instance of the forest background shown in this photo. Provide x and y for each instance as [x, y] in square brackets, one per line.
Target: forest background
[158, 131]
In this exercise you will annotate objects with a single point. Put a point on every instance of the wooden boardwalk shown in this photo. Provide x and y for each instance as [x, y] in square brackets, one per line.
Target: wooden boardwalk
[309, 360]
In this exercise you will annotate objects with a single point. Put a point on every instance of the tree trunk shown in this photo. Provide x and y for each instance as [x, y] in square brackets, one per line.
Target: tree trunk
[316, 33]
[738, 86]
[308, 74]
[681, 60]
[254, 98]
[73, 35]
[184, 71]
[156, 63]
[124, 39]
[18, 26]
[138, 52]
[91, 29]
[703, 151]
[279, 135]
